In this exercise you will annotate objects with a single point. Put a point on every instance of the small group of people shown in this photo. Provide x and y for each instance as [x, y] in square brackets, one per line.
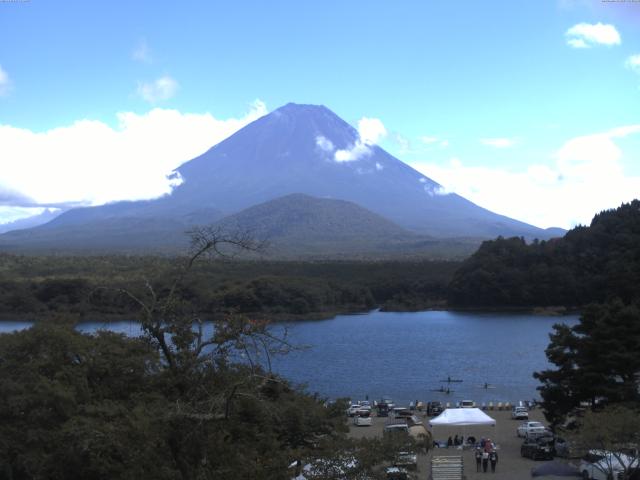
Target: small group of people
[486, 455]
[455, 441]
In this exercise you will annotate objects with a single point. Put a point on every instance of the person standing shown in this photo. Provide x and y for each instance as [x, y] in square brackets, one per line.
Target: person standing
[478, 459]
[493, 459]
[488, 445]
[485, 461]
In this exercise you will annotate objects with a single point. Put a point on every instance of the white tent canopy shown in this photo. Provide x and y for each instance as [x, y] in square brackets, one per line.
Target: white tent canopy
[462, 417]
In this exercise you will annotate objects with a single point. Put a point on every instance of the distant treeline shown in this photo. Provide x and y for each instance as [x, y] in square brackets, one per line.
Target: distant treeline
[39, 286]
[588, 265]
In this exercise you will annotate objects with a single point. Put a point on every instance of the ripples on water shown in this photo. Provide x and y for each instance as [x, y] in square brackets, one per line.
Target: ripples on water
[406, 355]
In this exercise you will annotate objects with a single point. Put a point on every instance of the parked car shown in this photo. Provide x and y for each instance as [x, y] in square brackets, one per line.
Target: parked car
[408, 460]
[538, 449]
[356, 409]
[414, 420]
[520, 413]
[363, 419]
[353, 408]
[466, 404]
[434, 408]
[564, 448]
[535, 435]
[530, 427]
[401, 412]
[604, 465]
[388, 401]
[383, 410]
[396, 473]
[398, 427]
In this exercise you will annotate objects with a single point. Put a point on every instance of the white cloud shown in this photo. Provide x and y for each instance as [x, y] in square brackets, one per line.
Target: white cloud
[435, 190]
[92, 163]
[497, 142]
[429, 140]
[586, 35]
[403, 142]
[142, 52]
[584, 177]
[161, 89]
[577, 43]
[379, 167]
[324, 144]
[11, 214]
[370, 131]
[4, 82]
[356, 152]
[633, 63]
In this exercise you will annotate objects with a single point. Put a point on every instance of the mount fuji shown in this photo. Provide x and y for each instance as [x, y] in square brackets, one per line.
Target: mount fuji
[296, 149]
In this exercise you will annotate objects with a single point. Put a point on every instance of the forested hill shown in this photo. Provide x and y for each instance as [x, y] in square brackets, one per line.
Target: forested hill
[589, 264]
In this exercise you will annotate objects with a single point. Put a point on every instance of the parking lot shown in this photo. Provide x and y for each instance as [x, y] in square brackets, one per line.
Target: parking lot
[511, 466]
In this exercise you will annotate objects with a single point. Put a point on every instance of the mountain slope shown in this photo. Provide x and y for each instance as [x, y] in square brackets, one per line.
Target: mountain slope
[292, 150]
[30, 222]
[294, 226]
[289, 151]
[299, 224]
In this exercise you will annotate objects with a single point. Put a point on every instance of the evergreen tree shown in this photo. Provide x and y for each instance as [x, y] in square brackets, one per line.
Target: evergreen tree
[597, 360]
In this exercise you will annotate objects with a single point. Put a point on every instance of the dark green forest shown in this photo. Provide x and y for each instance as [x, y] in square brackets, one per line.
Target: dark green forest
[105, 406]
[589, 264]
[89, 287]
[171, 404]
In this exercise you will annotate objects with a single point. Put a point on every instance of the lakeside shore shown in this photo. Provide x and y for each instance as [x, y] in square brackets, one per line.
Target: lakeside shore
[557, 311]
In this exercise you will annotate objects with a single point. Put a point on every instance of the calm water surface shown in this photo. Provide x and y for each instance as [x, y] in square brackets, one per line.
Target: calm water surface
[408, 355]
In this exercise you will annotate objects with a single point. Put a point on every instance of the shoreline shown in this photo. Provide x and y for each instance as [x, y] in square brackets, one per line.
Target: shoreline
[555, 311]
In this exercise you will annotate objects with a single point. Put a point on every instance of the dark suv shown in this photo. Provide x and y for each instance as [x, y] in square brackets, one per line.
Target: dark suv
[538, 448]
[383, 410]
[434, 408]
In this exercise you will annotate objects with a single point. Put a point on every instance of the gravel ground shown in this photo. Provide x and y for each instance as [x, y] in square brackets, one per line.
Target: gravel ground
[511, 466]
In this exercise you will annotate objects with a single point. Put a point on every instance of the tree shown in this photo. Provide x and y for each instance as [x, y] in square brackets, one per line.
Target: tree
[597, 360]
[71, 405]
[182, 402]
[616, 432]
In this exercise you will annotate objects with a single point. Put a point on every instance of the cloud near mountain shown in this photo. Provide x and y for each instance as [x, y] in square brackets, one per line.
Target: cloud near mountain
[585, 175]
[93, 163]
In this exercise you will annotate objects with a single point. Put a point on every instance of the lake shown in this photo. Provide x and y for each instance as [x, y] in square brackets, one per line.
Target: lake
[408, 355]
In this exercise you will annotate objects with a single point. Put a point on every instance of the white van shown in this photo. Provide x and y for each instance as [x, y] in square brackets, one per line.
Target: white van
[363, 419]
[396, 427]
[520, 413]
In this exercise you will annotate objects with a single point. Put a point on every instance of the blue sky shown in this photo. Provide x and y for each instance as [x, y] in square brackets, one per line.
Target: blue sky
[531, 109]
